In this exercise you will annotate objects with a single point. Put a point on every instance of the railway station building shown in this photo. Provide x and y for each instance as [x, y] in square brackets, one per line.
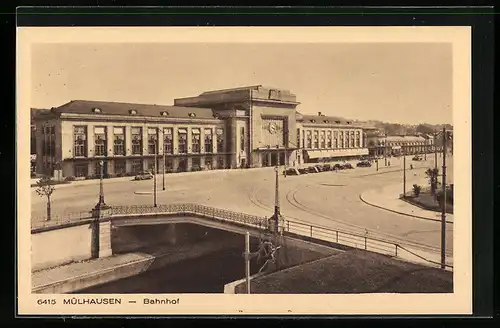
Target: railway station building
[252, 126]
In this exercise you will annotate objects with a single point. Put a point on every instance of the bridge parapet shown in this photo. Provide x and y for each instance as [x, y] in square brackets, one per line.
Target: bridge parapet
[187, 209]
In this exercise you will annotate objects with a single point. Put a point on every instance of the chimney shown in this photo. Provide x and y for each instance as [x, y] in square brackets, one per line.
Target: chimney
[319, 113]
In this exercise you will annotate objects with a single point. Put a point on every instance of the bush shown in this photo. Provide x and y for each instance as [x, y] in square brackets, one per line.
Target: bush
[416, 190]
[70, 178]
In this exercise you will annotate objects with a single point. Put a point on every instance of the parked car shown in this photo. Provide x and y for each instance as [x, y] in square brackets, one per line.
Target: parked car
[319, 168]
[303, 171]
[337, 167]
[417, 158]
[364, 164]
[144, 176]
[347, 166]
[291, 171]
[311, 169]
[327, 167]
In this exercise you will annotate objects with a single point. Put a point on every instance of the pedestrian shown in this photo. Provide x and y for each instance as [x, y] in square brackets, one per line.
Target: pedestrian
[389, 163]
[411, 166]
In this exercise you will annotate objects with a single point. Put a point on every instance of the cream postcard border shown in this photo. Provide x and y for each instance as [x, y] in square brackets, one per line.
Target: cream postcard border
[459, 302]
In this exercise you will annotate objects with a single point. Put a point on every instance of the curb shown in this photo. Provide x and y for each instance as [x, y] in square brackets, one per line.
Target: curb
[401, 213]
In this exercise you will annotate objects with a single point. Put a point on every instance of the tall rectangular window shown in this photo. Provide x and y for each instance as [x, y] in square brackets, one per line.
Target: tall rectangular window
[341, 142]
[137, 166]
[298, 138]
[168, 141]
[81, 170]
[100, 141]
[182, 137]
[119, 141]
[358, 139]
[208, 141]
[80, 141]
[120, 167]
[195, 140]
[152, 141]
[351, 140]
[49, 144]
[323, 146]
[309, 139]
[242, 138]
[316, 141]
[136, 141]
[329, 139]
[220, 141]
[335, 139]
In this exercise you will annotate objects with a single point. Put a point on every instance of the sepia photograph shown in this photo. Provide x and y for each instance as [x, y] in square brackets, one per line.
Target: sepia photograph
[175, 167]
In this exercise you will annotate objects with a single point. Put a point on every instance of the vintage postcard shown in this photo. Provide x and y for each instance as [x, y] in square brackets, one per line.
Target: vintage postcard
[237, 171]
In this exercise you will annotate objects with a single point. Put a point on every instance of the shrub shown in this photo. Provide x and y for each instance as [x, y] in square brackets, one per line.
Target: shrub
[70, 178]
[416, 190]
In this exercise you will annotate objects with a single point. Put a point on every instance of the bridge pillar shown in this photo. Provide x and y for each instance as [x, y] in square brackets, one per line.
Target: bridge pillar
[171, 234]
[101, 232]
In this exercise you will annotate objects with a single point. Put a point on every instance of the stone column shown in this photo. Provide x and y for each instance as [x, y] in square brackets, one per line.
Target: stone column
[101, 232]
[171, 234]
[233, 142]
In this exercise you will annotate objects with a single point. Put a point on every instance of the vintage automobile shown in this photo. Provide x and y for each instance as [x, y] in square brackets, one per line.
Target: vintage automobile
[417, 158]
[364, 164]
[347, 166]
[146, 175]
[327, 167]
[337, 167]
[311, 169]
[303, 171]
[291, 171]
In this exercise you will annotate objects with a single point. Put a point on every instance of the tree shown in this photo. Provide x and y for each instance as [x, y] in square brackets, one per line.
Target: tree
[45, 188]
[433, 174]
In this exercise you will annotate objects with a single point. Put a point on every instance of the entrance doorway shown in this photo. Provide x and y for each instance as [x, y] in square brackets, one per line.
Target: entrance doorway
[182, 164]
[243, 163]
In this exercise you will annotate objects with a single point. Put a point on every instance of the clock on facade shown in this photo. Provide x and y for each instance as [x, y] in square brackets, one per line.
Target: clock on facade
[272, 128]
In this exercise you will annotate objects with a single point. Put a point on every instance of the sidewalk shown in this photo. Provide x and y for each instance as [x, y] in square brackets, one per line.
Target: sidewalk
[387, 198]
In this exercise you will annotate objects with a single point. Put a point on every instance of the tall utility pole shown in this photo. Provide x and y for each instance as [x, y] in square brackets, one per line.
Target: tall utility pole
[164, 160]
[154, 173]
[435, 151]
[247, 260]
[277, 197]
[385, 149]
[404, 175]
[443, 210]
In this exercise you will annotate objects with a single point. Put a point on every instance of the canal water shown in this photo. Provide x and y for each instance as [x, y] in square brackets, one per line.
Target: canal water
[206, 274]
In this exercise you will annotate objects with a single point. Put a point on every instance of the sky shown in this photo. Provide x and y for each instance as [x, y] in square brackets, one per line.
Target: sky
[408, 83]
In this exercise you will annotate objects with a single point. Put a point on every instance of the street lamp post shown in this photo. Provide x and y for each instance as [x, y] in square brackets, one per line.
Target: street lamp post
[276, 196]
[435, 152]
[404, 175]
[385, 149]
[101, 186]
[164, 160]
[443, 209]
[154, 173]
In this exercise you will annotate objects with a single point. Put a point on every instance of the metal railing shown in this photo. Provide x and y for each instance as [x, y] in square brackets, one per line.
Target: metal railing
[342, 238]
[187, 208]
[59, 220]
[339, 237]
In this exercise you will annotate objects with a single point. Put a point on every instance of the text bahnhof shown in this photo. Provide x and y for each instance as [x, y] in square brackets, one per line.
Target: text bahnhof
[252, 126]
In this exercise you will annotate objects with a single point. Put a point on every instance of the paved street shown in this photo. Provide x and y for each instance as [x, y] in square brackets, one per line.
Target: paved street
[329, 199]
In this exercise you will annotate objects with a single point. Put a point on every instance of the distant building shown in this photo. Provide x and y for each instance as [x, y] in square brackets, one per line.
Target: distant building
[380, 144]
[252, 126]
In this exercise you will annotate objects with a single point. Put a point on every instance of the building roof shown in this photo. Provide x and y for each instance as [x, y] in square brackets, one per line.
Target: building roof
[405, 138]
[232, 89]
[119, 108]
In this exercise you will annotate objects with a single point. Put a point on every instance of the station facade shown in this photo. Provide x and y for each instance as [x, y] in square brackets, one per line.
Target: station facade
[252, 126]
